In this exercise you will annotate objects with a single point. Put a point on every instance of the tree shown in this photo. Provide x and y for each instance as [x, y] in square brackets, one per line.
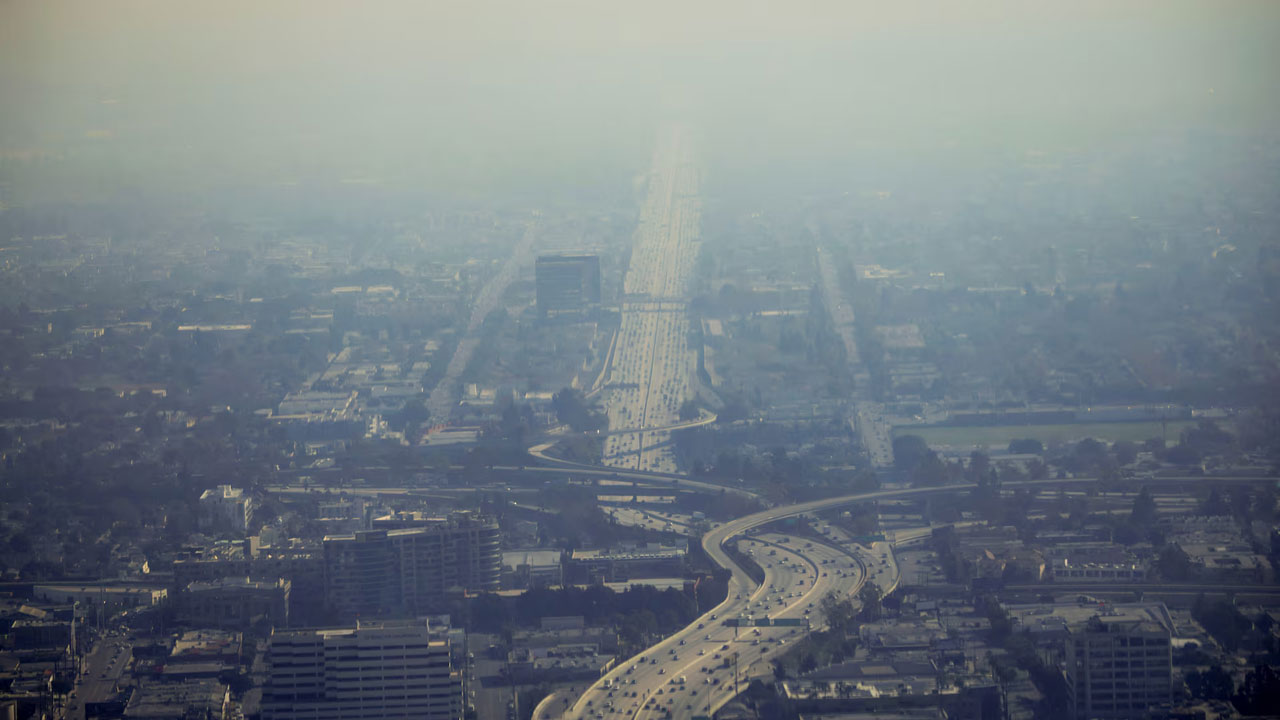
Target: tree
[908, 451]
[1143, 514]
[1026, 446]
[1215, 504]
[870, 596]
[1258, 694]
[1222, 619]
[1212, 684]
[572, 409]
[929, 471]
[1173, 564]
[1125, 452]
[689, 410]
[838, 612]
[979, 466]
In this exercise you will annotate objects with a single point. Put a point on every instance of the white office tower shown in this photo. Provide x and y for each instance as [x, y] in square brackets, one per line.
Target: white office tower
[386, 670]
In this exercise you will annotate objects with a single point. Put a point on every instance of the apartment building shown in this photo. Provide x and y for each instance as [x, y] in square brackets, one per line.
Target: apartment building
[404, 571]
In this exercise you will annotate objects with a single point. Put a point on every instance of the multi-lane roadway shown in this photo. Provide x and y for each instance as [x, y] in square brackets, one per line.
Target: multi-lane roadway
[743, 596]
[650, 372]
[698, 669]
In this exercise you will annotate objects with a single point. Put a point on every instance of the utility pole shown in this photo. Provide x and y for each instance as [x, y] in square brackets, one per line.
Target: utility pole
[735, 674]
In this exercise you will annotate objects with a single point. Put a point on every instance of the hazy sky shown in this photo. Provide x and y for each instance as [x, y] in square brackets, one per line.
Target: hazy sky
[115, 94]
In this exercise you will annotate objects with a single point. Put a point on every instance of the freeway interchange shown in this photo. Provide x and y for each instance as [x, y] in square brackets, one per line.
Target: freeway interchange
[636, 690]
[698, 669]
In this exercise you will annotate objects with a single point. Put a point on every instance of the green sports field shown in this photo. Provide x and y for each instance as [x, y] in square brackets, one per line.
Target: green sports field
[995, 437]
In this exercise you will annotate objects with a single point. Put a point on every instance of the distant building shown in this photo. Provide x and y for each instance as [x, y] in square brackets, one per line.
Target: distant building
[615, 564]
[36, 634]
[111, 598]
[226, 508]
[392, 670]
[1118, 667]
[302, 565]
[1224, 562]
[1068, 572]
[893, 687]
[567, 284]
[203, 647]
[532, 568]
[204, 698]
[404, 571]
[1052, 622]
[235, 603]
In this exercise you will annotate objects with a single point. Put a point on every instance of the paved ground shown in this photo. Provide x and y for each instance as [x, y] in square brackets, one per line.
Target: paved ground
[651, 368]
[687, 673]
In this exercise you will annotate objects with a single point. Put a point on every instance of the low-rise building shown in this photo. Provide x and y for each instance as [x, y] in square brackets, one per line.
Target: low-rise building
[1065, 571]
[625, 563]
[891, 686]
[110, 598]
[235, 603]
[33, 633]
[205, 698]
[1225, 562]
[532, 568]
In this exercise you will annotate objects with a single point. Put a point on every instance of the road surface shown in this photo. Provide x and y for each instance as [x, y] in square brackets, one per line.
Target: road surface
[651, 368]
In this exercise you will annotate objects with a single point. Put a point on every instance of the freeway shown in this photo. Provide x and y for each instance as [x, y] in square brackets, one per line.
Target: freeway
[652, 477]
[650, 365]
[742, 589]
[643, 478]
[692, 672]
[704, 418]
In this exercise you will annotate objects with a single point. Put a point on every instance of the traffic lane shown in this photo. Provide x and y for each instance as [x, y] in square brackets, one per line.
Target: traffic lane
[753, 645]
[673, 659]
[712, 685]
[743, 596]
[103, 668]
[684, 652]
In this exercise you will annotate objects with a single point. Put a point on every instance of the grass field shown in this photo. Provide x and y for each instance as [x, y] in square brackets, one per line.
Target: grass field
[998, 437]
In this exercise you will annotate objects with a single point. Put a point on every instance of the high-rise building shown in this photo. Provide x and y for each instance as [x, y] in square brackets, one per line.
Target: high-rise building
[567, 284]
[406, 570]
[1119, 667]
[387, 670]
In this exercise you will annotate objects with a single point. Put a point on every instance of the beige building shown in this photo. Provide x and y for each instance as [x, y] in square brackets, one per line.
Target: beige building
[392, 670]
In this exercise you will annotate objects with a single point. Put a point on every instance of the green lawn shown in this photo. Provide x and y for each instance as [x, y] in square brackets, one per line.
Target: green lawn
[998, 437]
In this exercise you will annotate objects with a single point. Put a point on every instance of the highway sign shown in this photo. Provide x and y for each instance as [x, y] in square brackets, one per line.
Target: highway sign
[766, 622]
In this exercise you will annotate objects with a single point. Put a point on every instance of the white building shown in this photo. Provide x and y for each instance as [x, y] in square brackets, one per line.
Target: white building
[1101, 572]
[111, 598]
[226, 508]
[391, 670]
